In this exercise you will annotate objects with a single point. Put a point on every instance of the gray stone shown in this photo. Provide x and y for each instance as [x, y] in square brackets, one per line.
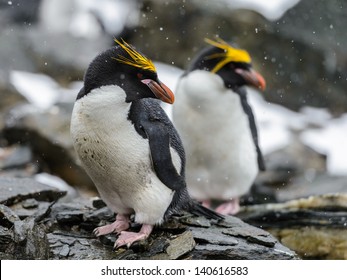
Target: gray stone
[7, 216]
[177, 247]
[47, 132]
[212, 236]
[18, 156]
[30, 203]
[65, 250]
[314, 227]
[74, 217]
[30, 240]
[15, 190]
[201, 221]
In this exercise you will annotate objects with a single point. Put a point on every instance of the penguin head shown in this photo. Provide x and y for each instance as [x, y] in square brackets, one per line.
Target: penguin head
[127, 68]
[231, 64]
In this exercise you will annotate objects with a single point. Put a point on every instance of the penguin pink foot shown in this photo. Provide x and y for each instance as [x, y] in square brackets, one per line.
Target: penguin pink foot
[206, 203]
[121, 223]
[230, 207]
[127, 238]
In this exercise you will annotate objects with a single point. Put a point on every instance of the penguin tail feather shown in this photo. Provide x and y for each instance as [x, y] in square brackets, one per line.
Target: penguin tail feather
[200, 210]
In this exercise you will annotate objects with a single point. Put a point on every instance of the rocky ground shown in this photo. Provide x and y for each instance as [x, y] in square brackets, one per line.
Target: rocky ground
[48, 207]
[36, 225]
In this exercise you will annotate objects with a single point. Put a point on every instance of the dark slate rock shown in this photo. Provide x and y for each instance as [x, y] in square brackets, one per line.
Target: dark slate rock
[175, 248]
[243, 251]
[70, 218]
[65, 250]
[181, 237]
[97, 202]
[14, 190]
[80, 246]
[18, 157]
[47, 133]
[30, 203]
[7, 216]
[98, 215]
[193, 221]
[314, 227]
[212, 236]
[6, 238]
[30, 240]
[236, 227]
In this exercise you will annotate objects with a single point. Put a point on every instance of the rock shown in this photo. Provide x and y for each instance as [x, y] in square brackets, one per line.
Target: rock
[47, 132]
[14, 190]
[20, 11]
[68, 65]
[314, 227]
[14, 54]
[30, 203]
[240, 241]
[42, 52]
[69, 226]
[7, 216]
[6, 238]
[175, 248]
[16, 157]
[24, 240]
[67, 245]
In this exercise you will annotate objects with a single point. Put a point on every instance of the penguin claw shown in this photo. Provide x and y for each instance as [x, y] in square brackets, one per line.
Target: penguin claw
[121, 223]
[127, 238]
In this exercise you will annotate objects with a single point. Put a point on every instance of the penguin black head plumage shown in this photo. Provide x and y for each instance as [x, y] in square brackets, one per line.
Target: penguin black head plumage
[128, 145]
[122, 65]
[231, 64]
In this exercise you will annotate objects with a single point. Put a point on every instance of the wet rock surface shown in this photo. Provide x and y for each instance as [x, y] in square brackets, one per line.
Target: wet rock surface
[47, 134]
[36, 226]
[314, 227]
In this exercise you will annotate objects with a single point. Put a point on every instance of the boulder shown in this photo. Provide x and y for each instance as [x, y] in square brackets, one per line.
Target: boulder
[314, 227]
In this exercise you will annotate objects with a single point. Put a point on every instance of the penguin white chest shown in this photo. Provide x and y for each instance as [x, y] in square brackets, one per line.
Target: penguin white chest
[116, 157]
[221, 154]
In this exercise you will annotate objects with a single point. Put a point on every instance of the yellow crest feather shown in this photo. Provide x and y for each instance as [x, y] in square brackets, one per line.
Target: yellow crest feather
[136, 59]
[230, 54]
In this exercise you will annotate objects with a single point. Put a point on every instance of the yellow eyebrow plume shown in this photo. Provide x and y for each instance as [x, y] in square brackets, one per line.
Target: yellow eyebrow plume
[135, 58]
[230, 54]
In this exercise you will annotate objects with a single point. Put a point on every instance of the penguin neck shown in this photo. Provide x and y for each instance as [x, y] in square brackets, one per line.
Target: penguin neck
[207, 89]
[104, 107]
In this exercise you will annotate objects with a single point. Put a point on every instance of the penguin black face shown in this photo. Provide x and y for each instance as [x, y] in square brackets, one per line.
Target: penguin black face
[232, 65]
[125, 67]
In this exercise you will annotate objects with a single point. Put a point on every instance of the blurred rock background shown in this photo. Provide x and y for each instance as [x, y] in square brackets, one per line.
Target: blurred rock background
[46, 45]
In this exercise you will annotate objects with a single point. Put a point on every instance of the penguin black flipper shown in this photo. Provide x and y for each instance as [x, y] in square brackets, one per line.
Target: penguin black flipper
[152, 123]
[248, 110]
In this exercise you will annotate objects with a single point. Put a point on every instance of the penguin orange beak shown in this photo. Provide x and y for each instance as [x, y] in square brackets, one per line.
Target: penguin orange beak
[252, 77]
[160, 90]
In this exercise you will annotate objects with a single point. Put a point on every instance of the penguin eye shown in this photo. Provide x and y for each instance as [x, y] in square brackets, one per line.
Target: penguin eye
[140, 75]
[232, 66]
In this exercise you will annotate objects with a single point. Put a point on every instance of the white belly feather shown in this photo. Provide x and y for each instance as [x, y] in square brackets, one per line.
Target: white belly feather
[221, 155]
[116, 157]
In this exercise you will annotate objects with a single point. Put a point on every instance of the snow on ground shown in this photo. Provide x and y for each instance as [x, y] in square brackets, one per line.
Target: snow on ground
[39, 89]
[276, 124]
[272, 9]
[88, 18]
[330, 140]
